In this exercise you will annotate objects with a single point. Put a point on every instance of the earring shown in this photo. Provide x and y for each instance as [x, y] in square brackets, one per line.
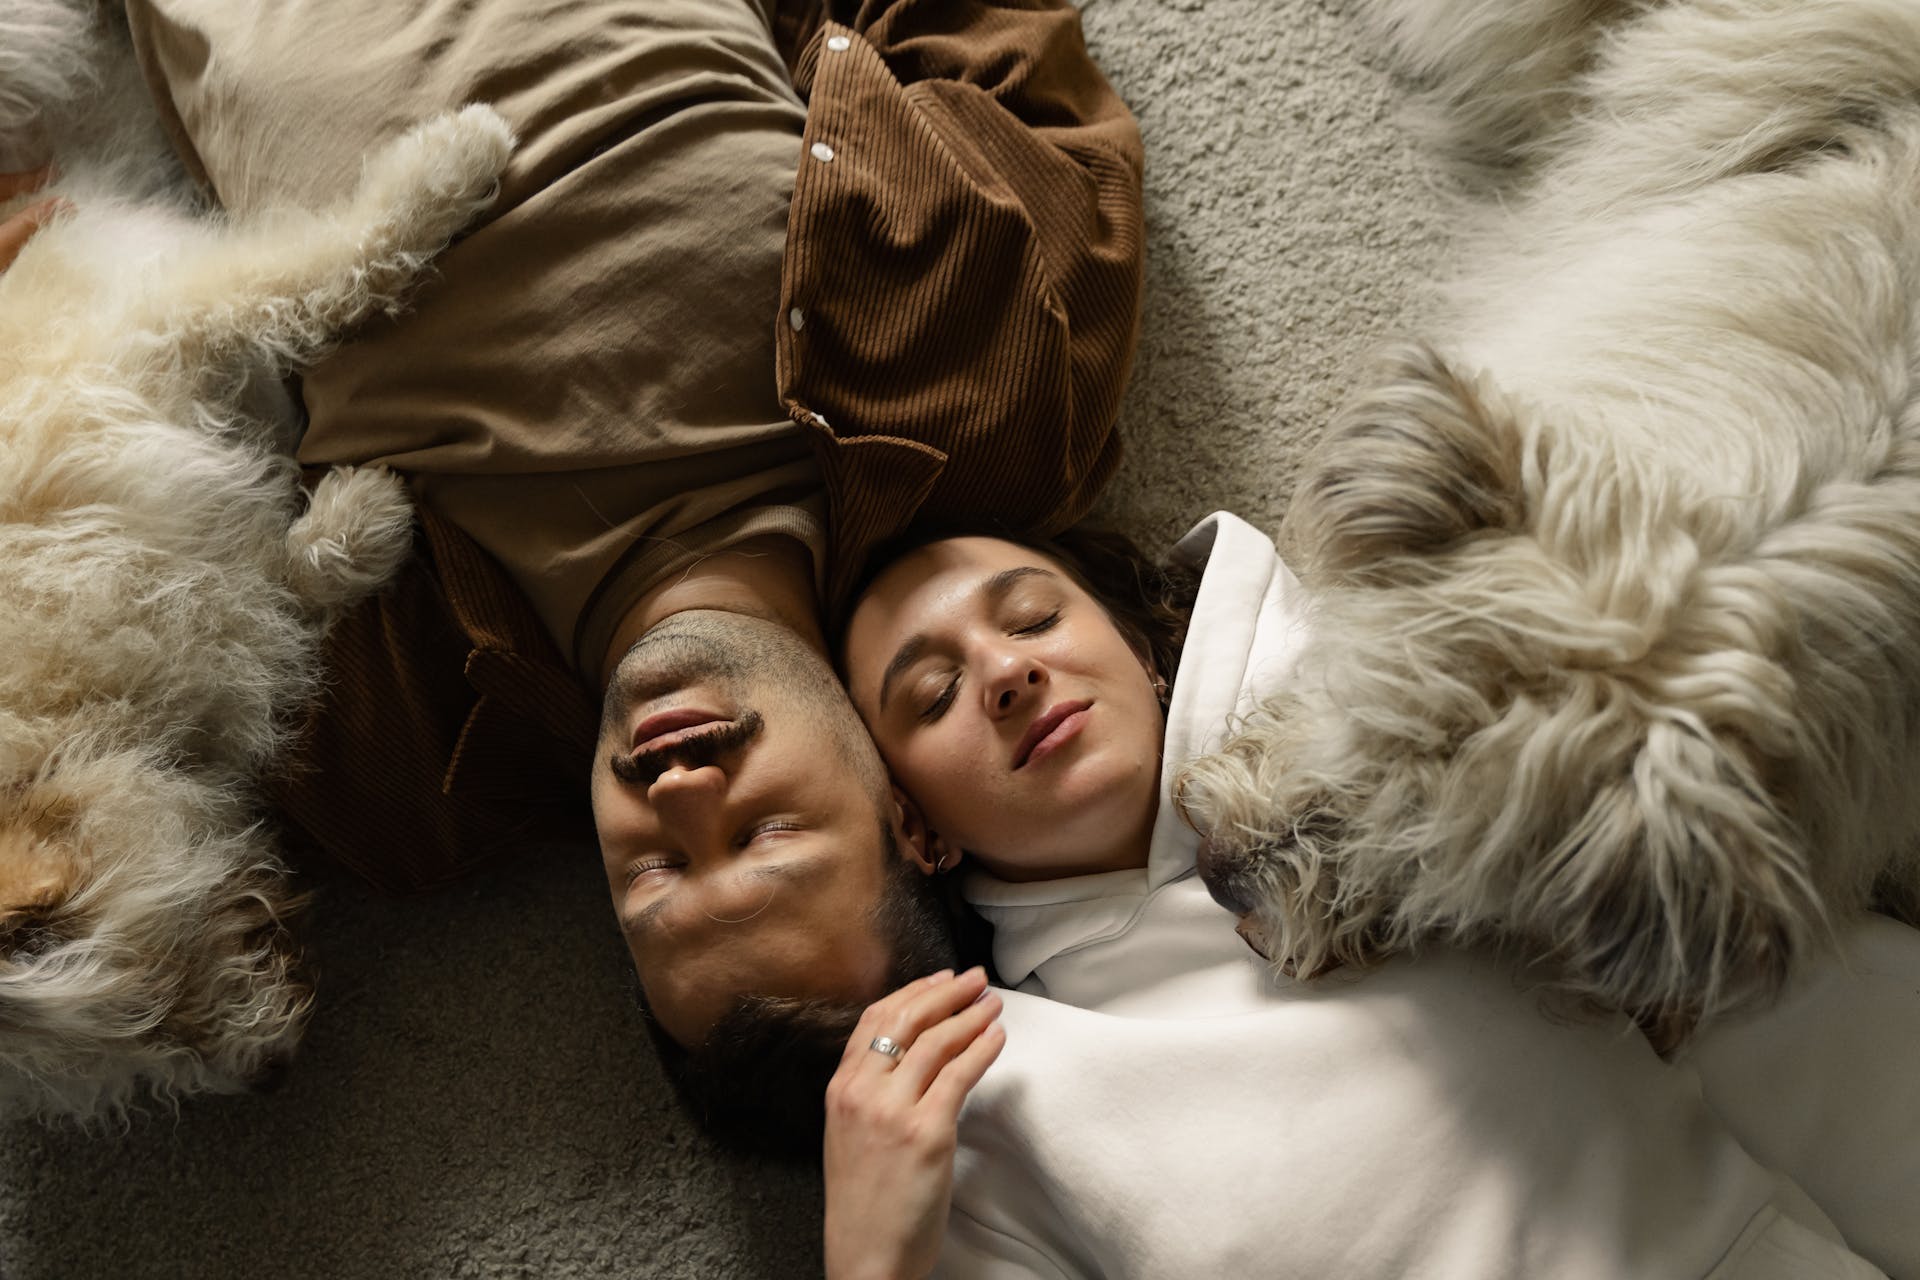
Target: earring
[940, 867]
[1162, 691]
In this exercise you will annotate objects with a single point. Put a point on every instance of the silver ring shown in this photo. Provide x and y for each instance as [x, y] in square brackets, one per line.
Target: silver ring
[889, 1046]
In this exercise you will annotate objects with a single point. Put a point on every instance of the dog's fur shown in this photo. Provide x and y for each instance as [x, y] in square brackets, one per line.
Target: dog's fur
[1617, 658]
[164, 591]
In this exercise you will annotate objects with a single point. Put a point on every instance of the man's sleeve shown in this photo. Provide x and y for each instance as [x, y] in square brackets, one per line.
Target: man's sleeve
[964, 262]
[1027, 58]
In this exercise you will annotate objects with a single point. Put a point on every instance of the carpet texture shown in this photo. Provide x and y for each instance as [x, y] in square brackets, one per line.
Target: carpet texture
[475, 1097]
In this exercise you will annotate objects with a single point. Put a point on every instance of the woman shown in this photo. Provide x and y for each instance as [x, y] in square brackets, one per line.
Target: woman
[1162, 1103]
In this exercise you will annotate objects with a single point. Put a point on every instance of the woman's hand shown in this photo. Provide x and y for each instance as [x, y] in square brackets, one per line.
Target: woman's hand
[17, 230]
[892, 1123]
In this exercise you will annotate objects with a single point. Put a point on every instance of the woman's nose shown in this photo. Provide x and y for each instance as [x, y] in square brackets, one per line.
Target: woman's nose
[1016, 680]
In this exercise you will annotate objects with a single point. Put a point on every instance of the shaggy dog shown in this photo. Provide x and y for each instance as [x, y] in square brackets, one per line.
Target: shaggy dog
[164, 590]
[1617, 660]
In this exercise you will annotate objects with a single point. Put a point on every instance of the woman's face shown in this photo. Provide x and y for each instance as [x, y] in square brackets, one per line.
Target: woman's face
[1011, 709]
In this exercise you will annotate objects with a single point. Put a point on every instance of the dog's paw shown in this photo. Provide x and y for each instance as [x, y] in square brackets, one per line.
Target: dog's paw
[472, 146]
[356, 532]
[445, 170]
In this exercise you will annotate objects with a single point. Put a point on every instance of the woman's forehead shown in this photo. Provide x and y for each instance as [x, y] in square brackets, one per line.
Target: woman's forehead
[947, 566]
[947, 580]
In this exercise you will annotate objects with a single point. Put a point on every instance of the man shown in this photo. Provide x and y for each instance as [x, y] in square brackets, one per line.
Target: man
[764, 285]
[733, 769]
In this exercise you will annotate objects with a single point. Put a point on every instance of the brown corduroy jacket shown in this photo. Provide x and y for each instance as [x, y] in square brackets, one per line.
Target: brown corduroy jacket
[960, 293]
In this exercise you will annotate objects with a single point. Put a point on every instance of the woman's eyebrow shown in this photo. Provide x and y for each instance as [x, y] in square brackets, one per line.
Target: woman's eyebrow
[905, 656]
[992, 590]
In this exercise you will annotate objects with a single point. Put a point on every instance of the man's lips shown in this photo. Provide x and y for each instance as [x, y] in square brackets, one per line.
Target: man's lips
[1050, 730]
[664, 729]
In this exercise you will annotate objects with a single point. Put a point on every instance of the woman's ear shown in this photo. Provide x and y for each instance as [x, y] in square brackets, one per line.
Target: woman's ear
[1143, 654]
[925, 848]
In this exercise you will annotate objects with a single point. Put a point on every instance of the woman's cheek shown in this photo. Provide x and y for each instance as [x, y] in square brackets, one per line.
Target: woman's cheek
[957, 767]
[920, 763]
[948, 767]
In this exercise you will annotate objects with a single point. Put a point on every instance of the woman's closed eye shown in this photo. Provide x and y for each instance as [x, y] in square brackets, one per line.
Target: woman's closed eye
[1037, 625]
[942, 696]
[941, 700]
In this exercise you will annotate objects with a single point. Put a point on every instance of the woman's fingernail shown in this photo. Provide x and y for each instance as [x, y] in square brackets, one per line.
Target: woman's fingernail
[941, 976]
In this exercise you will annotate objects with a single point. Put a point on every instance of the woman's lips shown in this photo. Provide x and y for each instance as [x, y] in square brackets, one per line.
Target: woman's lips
[664, 728]
[1051, 730]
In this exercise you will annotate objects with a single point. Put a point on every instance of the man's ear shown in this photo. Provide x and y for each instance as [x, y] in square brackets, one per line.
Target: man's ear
[925, 848]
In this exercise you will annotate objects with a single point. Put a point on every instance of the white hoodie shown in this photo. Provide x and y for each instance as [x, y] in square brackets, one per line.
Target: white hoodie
[1167, 1107]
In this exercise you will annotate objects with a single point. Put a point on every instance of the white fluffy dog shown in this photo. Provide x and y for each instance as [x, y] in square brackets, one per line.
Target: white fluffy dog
[1618, 653]
[164, 590]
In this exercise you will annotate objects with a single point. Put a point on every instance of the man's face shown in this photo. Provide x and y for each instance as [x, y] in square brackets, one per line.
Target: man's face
[739, 806]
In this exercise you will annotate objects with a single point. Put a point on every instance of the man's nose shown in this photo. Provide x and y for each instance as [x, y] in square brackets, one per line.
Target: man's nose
[688, 800]
[1014, 680]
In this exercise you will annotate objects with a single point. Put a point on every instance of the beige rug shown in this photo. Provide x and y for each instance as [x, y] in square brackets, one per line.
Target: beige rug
[475, 1098]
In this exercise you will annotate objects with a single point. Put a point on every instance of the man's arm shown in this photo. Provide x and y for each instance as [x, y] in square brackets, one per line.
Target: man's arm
[1027, 57]
[964, 264]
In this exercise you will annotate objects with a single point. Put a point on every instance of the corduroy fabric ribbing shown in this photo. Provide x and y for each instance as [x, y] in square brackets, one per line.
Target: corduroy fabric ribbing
[983, 187]
[965, 272]
[449, 730]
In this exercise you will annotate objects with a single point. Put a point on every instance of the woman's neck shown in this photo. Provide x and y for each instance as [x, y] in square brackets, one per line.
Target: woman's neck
[1128, 854]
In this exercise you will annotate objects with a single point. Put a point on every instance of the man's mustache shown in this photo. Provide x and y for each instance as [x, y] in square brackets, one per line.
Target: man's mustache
[643, 768]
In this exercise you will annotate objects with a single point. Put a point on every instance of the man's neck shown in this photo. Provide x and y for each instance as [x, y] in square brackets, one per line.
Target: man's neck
[768, 577]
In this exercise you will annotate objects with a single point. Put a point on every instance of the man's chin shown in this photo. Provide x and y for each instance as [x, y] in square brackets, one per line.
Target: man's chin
[669, 670]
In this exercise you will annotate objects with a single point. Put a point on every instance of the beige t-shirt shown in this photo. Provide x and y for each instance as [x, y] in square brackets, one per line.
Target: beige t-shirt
[587, 389]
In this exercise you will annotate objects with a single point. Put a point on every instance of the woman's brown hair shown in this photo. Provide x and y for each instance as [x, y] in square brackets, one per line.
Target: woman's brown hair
[1149, 601]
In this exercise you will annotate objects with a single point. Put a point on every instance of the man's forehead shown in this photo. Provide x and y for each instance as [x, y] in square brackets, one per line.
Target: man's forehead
[809, 935]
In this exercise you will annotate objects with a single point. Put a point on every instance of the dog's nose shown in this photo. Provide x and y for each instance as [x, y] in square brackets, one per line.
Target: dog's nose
[1222, 874]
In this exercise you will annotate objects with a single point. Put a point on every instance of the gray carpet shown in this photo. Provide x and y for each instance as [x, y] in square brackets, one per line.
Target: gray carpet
[475, 1097]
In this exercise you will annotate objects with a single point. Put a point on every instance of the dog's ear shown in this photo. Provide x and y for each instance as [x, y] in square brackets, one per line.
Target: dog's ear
[40, 865]
[1424, 459]
[241, 1003]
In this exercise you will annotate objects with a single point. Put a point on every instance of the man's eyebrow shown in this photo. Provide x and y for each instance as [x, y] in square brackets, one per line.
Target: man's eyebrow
[993, 590]
[792, 869]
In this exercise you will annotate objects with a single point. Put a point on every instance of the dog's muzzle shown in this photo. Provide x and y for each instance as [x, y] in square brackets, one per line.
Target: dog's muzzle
[1224, 876]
